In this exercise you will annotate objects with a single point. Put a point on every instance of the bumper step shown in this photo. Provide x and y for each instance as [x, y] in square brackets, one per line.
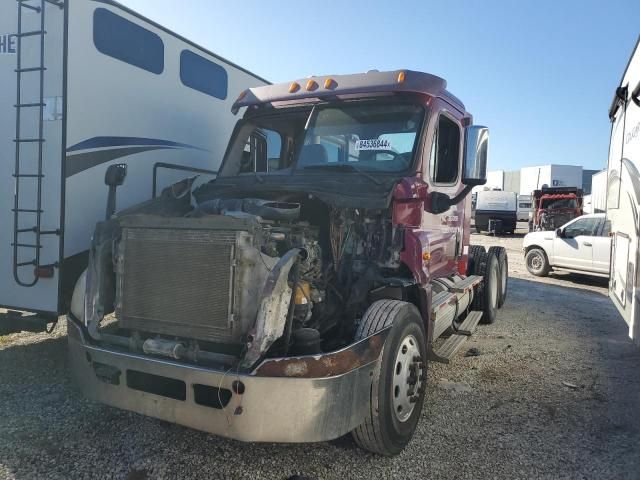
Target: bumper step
[470, 323]
[451, 345]
[449, 348]
[440, 303]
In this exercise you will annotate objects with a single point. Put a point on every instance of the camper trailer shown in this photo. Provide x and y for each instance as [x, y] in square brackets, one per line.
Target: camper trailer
[86, 85]
[623, 195]
[525, 208]
[495, 207]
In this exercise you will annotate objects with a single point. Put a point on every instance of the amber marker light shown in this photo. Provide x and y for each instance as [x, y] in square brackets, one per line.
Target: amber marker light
[242, 95]
[401, 77]
[330, 84]
[294, 87]
[426, 256]
[311, 85]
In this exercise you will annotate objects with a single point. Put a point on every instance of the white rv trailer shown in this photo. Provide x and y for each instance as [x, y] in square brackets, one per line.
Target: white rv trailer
[525, 207]
[623, 195]
[87, 84]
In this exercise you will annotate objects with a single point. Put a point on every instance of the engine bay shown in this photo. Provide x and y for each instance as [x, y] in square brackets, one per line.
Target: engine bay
[190, 278]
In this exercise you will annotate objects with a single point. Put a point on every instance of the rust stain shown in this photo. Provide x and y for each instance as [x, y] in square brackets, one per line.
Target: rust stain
[326, 364]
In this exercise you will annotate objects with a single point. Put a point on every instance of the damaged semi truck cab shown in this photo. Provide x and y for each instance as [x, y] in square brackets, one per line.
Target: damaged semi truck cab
[555, 206]
[298, 296]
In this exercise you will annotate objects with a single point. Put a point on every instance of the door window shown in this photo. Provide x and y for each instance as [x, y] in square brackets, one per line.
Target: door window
[262, 152]
[445, 152]
[583, 226]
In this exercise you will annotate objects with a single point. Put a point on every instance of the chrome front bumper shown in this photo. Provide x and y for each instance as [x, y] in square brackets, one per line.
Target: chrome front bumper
[302, 399]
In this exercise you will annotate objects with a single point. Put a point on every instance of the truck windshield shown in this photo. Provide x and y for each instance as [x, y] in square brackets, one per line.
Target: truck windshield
[371, 137]
[358, 137]
[558, 203]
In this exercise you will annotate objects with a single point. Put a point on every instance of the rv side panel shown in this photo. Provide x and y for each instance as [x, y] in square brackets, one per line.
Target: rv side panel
[132, 98]
[623, 200]
[43, 295]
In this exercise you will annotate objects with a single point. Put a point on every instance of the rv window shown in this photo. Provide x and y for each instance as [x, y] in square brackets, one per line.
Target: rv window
[203, 75]
[445, 152]
[128, 42]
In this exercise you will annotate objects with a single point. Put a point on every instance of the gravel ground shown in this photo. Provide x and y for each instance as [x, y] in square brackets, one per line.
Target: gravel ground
[555, 393]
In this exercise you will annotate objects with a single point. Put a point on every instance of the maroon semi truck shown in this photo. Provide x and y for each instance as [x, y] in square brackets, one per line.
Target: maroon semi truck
[299, 296]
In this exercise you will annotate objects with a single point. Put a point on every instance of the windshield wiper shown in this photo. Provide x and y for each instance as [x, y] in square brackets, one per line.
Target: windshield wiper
[343, 166]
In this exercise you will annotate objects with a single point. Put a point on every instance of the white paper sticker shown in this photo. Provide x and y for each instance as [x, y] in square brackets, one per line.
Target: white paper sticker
[373, 144]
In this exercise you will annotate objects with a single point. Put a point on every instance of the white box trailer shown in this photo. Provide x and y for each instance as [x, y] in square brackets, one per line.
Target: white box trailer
[599, 192]
[623, 195]
[533, 178]
[87, 84]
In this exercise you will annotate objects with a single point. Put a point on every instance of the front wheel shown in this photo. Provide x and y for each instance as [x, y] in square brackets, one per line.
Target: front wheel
[537, 262]
[399, 381]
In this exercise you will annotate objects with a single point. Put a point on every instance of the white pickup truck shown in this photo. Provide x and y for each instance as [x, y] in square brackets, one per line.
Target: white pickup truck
[582, 245]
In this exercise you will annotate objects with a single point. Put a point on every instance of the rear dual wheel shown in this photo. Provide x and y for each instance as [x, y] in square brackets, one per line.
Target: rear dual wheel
[503, 262]
[491, 294]
[399, 381]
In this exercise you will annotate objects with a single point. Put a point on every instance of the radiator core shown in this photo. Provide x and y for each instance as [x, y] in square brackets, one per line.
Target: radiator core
[179, 281]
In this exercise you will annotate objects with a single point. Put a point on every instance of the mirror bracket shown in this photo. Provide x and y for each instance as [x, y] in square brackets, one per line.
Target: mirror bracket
[113, 178]
[441, 202]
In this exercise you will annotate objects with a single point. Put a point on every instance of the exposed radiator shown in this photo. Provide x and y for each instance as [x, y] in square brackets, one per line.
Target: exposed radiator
[179, 281]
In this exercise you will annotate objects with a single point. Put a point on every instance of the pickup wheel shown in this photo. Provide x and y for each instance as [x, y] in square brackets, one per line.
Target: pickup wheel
[537, 262]
[487, 293]
[503, 262]
[399, 380]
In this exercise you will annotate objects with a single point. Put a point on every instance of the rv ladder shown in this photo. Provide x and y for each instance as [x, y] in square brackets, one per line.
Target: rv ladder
[32, 214]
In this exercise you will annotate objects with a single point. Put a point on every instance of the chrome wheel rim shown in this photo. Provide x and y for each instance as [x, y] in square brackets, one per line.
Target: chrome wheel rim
[407, 378]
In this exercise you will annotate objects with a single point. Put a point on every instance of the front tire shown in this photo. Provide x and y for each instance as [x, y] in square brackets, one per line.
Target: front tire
[537, 262]
[399, 380]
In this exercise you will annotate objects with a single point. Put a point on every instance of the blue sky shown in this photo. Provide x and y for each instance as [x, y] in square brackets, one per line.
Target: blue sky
[540, 74]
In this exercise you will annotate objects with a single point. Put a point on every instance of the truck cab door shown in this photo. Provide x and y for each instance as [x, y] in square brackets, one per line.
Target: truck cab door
[574, 249]
[443, 171]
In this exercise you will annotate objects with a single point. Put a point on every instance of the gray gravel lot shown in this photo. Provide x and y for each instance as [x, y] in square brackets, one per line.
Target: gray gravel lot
[503, 414]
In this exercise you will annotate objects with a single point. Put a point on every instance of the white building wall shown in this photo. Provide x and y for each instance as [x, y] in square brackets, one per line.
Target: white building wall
[532, 178]
[495, 181]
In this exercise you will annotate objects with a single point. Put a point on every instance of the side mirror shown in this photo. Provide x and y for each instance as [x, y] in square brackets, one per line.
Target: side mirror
[115, 175]
[559, 232]
[475, 156]
[113, 178]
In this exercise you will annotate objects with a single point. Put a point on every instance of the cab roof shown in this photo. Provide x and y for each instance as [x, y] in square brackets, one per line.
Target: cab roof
[332, 86]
